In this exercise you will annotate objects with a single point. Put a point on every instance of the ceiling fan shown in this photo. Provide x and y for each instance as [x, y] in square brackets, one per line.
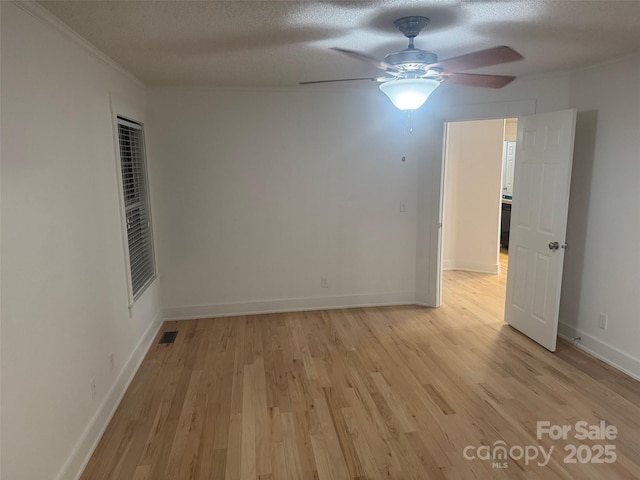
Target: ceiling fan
[413, 74]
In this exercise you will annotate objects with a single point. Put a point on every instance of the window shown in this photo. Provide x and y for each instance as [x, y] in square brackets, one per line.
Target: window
[136, 205]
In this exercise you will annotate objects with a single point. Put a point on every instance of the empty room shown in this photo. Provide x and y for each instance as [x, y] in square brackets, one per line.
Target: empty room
[276, 240]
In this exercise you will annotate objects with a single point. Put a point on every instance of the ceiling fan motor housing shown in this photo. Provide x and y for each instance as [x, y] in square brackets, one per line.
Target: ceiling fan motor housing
[411, 59]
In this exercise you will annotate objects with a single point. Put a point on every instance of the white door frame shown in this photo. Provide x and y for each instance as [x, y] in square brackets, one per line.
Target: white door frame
[463, 113]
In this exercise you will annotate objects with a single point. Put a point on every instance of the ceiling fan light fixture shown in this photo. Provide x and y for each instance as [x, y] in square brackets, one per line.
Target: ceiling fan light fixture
[409, 93]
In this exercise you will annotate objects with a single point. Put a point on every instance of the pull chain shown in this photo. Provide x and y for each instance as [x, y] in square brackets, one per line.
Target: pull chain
[410, 122]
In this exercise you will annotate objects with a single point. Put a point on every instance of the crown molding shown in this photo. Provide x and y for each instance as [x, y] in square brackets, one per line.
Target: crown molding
[42, 14]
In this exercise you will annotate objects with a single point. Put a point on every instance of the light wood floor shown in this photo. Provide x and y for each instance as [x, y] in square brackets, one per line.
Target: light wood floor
[369, 393]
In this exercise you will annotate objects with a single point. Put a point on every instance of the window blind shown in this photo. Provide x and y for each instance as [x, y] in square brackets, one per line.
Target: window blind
[136, 203]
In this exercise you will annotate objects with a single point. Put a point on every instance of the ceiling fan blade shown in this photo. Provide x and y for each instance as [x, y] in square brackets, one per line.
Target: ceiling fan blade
[482, 58]
[372, 79]
[368, 58]
[474, 80]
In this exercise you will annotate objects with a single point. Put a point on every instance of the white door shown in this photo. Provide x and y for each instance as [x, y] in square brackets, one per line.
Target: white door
[544, 155]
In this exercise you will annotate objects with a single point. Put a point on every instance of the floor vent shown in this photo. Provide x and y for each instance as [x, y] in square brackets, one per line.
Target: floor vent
[168, 337]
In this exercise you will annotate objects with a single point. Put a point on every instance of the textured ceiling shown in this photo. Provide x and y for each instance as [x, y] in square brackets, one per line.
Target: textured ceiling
[278, 43]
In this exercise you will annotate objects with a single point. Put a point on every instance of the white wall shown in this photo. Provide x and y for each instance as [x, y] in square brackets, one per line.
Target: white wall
[473, 180]
[602, 264]
[262, 193]
[64, 295]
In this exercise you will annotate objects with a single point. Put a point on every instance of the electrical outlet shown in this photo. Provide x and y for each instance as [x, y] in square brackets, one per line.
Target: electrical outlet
[324, 282]
[112, 362]
[92, 385]
[403, 206]
[602, 321]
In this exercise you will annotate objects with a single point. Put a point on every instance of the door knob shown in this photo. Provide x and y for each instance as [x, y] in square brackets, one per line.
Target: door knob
[556, 245]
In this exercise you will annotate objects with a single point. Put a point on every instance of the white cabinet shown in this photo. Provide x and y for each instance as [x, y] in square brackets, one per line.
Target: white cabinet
[508, 162]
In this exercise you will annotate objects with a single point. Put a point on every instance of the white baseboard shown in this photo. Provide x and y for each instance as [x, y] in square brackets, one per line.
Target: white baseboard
[82, 451]
[471, 266]
[601, 350]
[190, 312]
[423, 304]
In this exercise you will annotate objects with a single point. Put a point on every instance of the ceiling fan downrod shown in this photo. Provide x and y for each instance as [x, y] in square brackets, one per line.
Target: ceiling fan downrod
[411, 27]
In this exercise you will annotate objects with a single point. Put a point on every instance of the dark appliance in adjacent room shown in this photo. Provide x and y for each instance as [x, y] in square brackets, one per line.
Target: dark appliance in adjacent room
[505, 224]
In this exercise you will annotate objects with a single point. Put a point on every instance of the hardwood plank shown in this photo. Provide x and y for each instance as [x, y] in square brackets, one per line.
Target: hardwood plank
[365, 457]
[326, 446]
[248, 442]
[234, 450]
[262, 420]
[290, 444]
[344, 436]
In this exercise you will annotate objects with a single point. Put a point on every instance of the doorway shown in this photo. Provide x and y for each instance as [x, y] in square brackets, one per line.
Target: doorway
[537, 237]
[477, 194]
